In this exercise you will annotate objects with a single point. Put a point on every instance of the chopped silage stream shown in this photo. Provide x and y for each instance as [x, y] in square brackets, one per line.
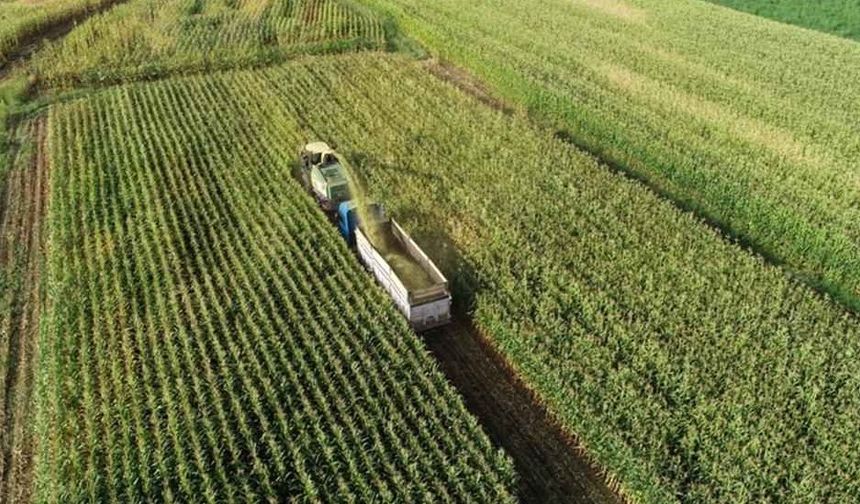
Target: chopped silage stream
[413, 275]
[381, 236]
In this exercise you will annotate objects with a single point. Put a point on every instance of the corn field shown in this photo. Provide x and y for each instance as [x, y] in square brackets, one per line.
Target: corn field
[206, 335]
[149, 38]
[209, 336]
[839, 17]
[22, 18]
[749, 122]
[687, 366]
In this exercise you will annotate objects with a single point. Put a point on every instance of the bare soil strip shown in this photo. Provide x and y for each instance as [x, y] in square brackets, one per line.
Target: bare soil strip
[21, 256]
[550, 465]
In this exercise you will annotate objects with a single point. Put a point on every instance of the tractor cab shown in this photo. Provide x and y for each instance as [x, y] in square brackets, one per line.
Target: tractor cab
[317, 154]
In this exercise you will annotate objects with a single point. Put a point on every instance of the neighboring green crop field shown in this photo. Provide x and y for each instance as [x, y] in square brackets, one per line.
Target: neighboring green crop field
[752, 123]
[839, 17]
[689, 368]
[150, 38]
[20, 19]
[209, 337]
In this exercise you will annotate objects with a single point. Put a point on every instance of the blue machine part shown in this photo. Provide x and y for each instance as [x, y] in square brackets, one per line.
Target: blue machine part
[347, 218]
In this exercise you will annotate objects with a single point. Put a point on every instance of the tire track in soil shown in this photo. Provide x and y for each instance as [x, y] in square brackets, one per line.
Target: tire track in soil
[550, 465]
[22, 242]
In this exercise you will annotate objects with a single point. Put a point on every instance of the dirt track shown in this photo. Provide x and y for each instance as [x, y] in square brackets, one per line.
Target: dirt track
[21, 246]
[551, 468]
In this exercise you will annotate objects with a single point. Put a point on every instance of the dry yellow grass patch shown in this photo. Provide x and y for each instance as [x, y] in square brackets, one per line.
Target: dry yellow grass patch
[774, 139]
[255, 8]
[615, 8]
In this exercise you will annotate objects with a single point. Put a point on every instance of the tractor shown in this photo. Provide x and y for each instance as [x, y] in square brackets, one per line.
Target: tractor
[323, 174]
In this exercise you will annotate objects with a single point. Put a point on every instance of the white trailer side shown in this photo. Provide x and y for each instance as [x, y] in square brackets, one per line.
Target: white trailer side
[424, 308]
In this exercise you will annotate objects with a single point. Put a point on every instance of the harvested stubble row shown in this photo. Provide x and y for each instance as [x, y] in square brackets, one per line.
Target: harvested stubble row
[23, 200]
[209, 335]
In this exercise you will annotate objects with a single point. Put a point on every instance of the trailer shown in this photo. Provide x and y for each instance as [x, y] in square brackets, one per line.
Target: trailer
[413, 281]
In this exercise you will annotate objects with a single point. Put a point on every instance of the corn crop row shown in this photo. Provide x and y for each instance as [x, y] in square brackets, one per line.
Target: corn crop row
[21, 19]
[210, 336]
[751, 123]
[689, 367]
[150, 38]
